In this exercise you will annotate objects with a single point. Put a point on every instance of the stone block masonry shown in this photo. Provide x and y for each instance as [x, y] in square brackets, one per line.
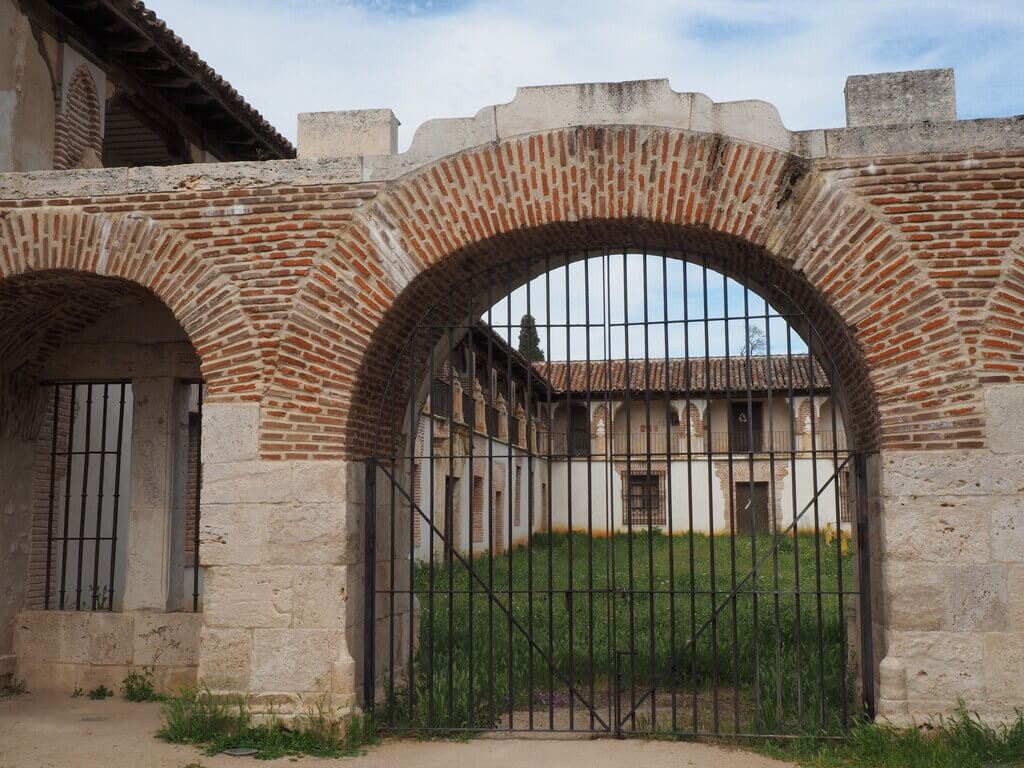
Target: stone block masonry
[297, 282]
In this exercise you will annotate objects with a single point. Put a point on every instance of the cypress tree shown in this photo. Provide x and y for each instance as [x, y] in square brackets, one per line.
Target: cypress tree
[529, 340]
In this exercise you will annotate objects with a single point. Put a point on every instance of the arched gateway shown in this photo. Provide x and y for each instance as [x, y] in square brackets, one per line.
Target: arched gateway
[352, 310]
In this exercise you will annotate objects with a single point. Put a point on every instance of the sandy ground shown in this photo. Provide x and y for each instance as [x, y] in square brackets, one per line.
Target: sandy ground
[44, 731]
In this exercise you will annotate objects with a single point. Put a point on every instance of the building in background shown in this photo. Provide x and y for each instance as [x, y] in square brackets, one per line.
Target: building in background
[105, 83]
[748, 444]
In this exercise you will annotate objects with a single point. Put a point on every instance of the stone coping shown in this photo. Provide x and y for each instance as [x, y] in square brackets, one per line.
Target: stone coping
[536, 110]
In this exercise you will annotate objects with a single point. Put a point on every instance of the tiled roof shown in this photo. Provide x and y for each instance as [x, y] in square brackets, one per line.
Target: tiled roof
[134, 38]
[727, 375]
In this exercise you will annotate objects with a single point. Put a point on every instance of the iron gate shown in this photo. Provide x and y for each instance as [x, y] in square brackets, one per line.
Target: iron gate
[619, 497]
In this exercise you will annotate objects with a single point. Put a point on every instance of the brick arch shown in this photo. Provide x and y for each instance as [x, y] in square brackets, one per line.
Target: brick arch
[1000, 349]
[780, 222]
[105, 259]
[77, 130]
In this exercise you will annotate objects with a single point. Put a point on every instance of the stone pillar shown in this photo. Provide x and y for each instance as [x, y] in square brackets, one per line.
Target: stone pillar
[479, 407]
[282, 547]
[156, 524]
[457, 414]
[16, 465]
[502, 418]
[522, 422]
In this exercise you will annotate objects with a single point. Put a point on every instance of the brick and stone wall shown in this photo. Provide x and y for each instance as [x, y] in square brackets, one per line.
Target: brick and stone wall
[298, 282]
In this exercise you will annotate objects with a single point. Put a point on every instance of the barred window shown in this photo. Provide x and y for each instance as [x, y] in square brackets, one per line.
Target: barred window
[645, 501]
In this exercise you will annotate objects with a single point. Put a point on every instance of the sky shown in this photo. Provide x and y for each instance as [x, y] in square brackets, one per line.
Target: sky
[635, 306]
[449, 58]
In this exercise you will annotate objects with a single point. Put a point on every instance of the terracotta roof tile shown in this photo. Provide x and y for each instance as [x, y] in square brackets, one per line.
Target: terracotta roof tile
[726, 375]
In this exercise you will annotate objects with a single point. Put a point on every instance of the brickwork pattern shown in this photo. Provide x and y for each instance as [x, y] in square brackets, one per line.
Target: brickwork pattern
[77, 130]
[300, 297]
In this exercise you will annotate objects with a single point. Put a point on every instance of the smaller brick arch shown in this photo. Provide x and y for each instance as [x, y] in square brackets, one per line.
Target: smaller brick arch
[59, 271]
[78, 137]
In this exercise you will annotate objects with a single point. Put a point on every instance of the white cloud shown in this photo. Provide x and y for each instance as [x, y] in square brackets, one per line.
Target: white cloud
[438, 58]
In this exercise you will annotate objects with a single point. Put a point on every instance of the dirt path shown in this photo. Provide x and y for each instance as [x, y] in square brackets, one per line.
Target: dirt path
[43, 731]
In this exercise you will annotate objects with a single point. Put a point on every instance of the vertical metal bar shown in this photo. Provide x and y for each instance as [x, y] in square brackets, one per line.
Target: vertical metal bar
[117, 487]
[776, 607]
[709, 446]
[652, 650]
[198, 497]
[867, 659]
[669, 453]
[471, 450]
[450, 544]
[550, 500]
[99, 501]
[615, 725]
[732, 510]
[569, 470]
[529, 539]
[688, 385]
[370, 552]
[85, 496]
[55, 417]
[754, 443]
[432, 369]
[819, 609]
[516, 489]
[413, 513]
[841, 597]
[395, 460]
[590, 487]
[629, 476]
[628, 499]
[492, 503]
[797, 613]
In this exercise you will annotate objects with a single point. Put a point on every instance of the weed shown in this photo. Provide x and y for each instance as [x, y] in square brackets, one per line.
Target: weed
[198, 717]
[960, 741]
[99, 693]
[77, 693]
[101, 596]
[14, 687]
[138, 686]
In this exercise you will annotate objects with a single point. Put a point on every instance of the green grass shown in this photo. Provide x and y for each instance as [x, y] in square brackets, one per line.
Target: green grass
[464, 679]
[99, 693]
[961, 741]
[13, 687]
[215, 724]
[138, 686]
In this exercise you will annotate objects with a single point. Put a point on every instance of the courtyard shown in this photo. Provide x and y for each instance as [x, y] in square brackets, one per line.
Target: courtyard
[50, 731]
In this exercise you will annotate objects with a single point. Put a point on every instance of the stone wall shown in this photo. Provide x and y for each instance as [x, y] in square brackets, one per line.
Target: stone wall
[60, 651]
[953, 533]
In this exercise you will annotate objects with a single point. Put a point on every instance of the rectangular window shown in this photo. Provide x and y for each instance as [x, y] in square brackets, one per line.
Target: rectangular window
[516, 499]
[752, 513]
[452, 524]
[477, 519]
[745, 427]
[498, 516]
[844, 497]
[644, 502]
[543, 506]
